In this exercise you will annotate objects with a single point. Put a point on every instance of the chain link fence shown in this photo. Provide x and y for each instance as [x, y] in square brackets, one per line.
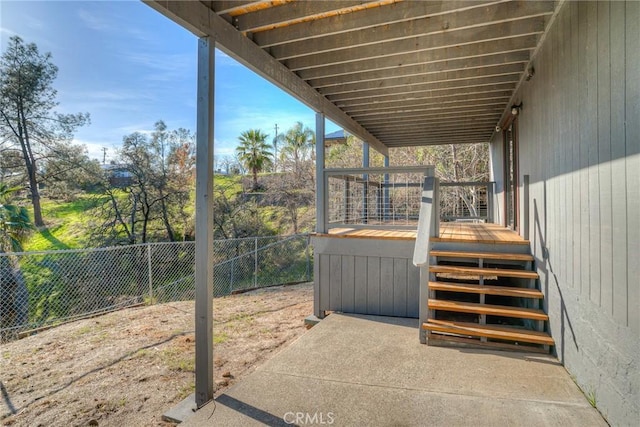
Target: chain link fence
[42, 289]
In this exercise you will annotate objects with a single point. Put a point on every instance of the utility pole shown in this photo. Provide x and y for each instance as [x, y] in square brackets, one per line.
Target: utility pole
[104, 155]
[275, 146]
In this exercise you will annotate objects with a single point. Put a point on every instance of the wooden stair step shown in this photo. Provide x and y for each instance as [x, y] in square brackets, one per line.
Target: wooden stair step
[484, 255]
[486, 289]
[488, 309]
[489, 331]
[475, 271]
[475, 342]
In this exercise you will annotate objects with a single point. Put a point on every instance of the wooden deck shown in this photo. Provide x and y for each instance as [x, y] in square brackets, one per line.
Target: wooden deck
[478, 233]
[449, 232]
[371, 233]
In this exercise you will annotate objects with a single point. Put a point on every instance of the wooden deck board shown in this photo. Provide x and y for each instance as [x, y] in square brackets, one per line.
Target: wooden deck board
[489, 309]
[486, 289]
[489, 331]
[501, 256]
[486, 272]
[436, 339]
[449, 231]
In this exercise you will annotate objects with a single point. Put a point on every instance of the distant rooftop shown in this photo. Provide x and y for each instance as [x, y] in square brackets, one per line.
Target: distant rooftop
[337, 137]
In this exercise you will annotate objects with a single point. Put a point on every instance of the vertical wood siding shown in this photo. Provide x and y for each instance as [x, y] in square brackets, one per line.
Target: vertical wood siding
[579, 136]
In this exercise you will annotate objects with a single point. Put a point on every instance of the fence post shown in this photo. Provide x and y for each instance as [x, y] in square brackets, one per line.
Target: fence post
[233, 269]
[255, 267]
[490, 192]
[149, 267]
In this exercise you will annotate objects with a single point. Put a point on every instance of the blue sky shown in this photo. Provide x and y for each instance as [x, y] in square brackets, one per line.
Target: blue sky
[129, 66]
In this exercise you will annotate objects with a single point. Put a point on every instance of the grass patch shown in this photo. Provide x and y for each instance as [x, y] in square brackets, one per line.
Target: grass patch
[83, 330]
[67, 223]
[141, 354]
[178, 360]
[231, 185]
[186, 390]
[220, 338]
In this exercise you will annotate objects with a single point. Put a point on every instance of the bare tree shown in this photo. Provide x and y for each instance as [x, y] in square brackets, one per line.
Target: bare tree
[162, 170]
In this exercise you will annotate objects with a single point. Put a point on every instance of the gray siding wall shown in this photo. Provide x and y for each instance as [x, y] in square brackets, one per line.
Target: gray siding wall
[579, 141]
[366, 276]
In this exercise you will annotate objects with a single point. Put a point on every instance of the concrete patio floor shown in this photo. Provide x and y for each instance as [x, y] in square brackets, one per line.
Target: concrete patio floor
[372, 371]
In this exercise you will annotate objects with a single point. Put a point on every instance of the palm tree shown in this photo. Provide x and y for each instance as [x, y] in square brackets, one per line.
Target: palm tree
[15, 223]
[254, 152]
[14, 227]
[297, 145]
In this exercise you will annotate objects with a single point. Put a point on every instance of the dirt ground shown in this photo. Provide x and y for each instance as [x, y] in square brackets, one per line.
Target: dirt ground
[128, 367]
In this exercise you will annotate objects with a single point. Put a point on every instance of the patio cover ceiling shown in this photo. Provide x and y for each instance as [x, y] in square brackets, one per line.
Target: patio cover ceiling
[394, 73]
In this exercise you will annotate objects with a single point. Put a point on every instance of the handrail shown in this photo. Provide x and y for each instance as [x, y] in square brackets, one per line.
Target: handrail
[428, 222]
[428, 226]
[427, 170]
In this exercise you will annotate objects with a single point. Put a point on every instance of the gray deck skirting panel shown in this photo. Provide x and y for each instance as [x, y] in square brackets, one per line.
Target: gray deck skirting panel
[366, 276]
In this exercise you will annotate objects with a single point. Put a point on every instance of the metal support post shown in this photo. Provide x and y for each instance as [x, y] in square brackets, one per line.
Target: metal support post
[490, 202]
[386, 201]
[365, 178]
[525, 213]
[321, 208]
[321, 224]
[204, 223]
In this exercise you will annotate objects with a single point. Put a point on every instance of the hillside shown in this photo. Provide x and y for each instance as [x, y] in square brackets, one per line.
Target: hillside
[70, 223]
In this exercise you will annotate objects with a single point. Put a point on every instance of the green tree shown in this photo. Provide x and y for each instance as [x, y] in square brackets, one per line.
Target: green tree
[254, 152]
[27, 120]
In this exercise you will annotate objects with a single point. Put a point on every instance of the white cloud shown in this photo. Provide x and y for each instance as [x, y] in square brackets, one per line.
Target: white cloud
[136, 127]
[223, 151]
[33, 22]
[94, 22]
[222, 59]
[7, 31]
[164, 68]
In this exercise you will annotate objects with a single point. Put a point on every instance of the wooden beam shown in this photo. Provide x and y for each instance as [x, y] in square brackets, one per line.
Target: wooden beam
[424, 103]
[445, 78]
[459, 107]
[393, 53]
[484, 22]
[299, 12]
[446, 95]
[393, 13]
[462, 58]
[434, 116]
[462, 85]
